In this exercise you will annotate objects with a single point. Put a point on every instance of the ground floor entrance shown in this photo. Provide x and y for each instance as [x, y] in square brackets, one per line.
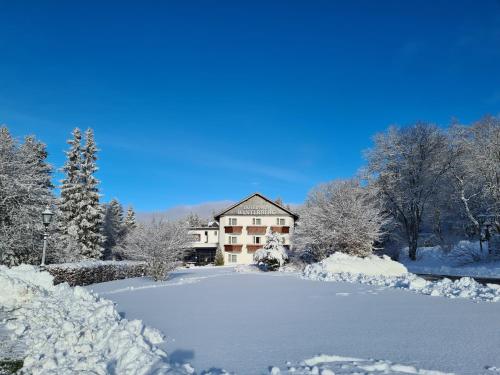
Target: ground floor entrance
[201, 256]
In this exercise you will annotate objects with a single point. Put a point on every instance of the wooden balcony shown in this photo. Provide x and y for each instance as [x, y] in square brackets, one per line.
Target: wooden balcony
[233, 229]
[280, 229]
[256, 229]
[233, 248]
[253, 248]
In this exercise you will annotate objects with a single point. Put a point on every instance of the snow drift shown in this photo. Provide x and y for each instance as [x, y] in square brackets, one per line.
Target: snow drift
[371, 265]
[359, 270]
[69, 330]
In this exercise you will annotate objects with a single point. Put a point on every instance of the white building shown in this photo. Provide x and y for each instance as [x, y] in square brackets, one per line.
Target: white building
[241, 229]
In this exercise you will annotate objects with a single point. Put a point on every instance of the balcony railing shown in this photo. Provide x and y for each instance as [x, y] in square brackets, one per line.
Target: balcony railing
[253, 248]
[280, 229]
[233, 248]
[256, 229]
[233, 229]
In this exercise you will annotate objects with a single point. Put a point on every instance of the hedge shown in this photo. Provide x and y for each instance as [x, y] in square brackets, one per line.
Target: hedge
[91, 272]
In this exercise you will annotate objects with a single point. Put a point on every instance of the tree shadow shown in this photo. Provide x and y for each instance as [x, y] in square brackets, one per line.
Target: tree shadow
[181, 356]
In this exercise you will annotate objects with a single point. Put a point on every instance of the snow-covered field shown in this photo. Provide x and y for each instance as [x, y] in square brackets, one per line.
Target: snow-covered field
[215, 318]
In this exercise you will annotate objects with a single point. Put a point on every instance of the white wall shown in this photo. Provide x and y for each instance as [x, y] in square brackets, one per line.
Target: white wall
[244, 257]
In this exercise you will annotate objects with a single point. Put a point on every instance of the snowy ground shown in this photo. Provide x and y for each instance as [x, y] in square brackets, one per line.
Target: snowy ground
[216, 318]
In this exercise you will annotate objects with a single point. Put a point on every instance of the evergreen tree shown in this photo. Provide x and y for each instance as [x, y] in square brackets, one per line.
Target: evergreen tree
[81, 216]
[68, 246]
[114, 227]
[91, 219]
[130, 222]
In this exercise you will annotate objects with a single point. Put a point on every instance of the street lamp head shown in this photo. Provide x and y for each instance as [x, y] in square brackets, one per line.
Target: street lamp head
[47, 216]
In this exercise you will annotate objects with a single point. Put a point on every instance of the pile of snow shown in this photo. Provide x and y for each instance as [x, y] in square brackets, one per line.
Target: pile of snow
[464, 259]
[68, 330]
[337, 365]
[371, 265]
[359, 271]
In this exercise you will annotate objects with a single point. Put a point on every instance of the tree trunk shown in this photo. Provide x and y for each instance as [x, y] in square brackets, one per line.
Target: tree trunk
[412, 247]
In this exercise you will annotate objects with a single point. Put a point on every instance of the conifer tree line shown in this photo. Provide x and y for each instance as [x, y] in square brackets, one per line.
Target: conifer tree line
[84, 228]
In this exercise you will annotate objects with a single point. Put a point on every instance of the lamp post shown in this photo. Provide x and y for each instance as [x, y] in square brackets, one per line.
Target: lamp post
[46, 219]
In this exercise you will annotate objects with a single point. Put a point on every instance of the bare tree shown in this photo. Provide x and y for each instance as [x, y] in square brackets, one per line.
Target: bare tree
[476, 170]
[406, 167]
[338, 216]
[162, 244]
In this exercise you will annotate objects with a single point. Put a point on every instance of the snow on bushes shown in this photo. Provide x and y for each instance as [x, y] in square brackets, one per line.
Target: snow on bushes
[354, 271]
[92, 272]
[273, 255]
[71, 330]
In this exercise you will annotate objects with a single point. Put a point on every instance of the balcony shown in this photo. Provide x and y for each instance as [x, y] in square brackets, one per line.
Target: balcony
[280, 229]
[233, 248]
[233, 229]
[254, 229]
[253, 248]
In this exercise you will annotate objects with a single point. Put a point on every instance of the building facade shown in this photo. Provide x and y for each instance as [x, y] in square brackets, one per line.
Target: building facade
[240, 230]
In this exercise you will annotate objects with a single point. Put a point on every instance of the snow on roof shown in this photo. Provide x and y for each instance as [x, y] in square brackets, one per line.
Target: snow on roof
[295, 216]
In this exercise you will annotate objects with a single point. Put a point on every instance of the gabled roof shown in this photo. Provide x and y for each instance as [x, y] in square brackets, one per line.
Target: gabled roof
[295, 216]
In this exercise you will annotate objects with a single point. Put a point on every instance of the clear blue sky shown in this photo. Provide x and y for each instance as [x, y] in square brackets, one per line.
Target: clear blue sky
[205, 101]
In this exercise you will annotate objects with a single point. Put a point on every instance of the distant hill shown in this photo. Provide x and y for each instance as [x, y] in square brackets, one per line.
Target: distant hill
[203, 210]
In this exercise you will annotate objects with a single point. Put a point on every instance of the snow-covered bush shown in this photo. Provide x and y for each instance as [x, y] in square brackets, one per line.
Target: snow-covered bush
[466, 252]
[338, 216]
[219, 257]
[273, 255]
[161, 244]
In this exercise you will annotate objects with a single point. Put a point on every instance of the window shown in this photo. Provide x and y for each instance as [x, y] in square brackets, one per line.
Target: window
[233, 240]
[256, 240]
[256, 221]
[233, 221]
[232, 258]
[280, 221]
[196, 237]
[215, 233]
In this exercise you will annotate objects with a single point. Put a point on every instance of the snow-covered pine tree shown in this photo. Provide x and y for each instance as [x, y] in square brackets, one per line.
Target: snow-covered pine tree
[68, 246]
[130, 222]
[273, 255]
[114, 227]
[91, 212]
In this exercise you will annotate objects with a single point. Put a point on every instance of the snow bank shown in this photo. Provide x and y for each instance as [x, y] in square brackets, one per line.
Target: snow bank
[371, 265]
[464, 288]
[334, 364]
[71, 330]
